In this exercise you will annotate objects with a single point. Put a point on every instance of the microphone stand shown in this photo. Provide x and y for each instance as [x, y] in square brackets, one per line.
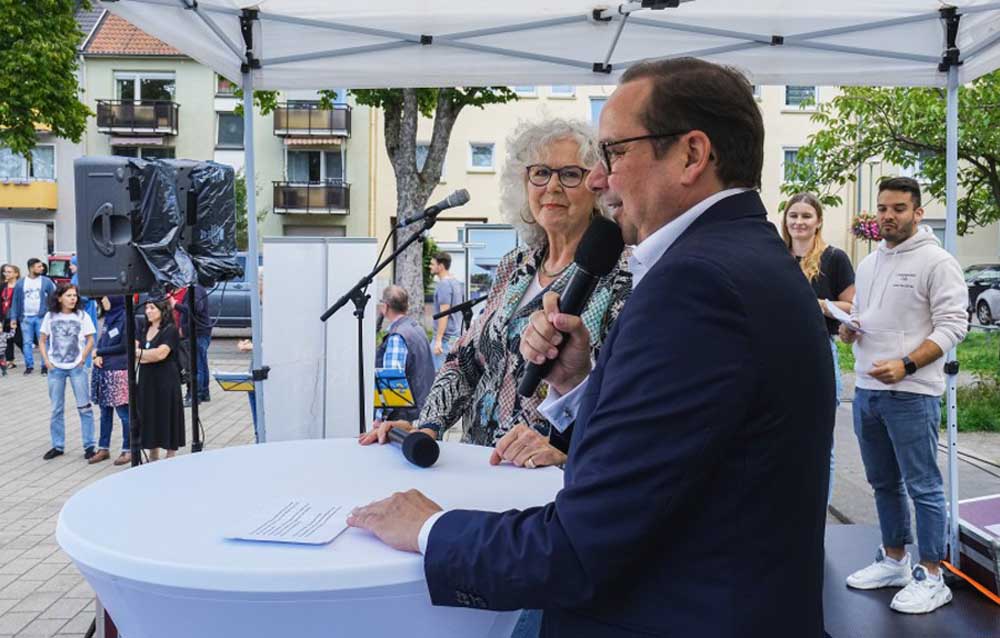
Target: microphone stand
[358, 295]
[465, 308]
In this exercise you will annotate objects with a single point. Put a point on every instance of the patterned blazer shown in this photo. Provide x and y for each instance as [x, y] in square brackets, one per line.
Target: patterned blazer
[480, 375]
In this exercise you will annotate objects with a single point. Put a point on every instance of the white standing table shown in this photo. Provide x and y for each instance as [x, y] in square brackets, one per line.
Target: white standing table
[150, 541]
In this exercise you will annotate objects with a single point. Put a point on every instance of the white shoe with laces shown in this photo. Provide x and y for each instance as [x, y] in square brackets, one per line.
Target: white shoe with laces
[924, 594]
[884, 572]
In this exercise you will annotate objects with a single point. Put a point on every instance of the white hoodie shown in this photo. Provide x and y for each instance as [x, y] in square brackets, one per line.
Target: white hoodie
[905, 295]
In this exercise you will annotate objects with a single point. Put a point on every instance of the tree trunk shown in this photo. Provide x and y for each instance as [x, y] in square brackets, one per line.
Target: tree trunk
[413, 187]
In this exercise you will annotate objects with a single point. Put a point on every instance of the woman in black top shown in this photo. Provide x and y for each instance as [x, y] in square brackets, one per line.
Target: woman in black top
[827, 268]
[158, 400]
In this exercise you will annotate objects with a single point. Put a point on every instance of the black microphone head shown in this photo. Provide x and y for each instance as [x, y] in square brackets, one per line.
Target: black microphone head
[458, 198]
[420, 449]
[601, 247]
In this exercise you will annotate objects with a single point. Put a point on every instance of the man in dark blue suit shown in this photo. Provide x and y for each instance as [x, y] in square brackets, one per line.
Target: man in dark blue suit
[696, 482]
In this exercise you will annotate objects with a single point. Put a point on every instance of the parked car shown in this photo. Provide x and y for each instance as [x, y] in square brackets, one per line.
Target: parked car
[229, 302]
[58, 268]
[983, 281]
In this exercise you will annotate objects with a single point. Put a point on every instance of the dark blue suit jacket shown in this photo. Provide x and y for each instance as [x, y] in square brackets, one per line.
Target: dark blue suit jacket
[695, 490]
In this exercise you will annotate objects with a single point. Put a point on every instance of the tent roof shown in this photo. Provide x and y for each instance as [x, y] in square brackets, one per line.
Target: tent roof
[364, 44]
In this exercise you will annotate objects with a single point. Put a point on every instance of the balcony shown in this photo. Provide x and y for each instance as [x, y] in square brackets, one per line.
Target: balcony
[329, 197]
[28, 193]
[309, 120]
[151, 117]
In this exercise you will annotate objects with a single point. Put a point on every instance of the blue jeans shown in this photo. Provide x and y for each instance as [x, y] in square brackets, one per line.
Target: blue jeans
[447, 343]
[839, 384]
[898, 435]
[30, 328]
[57, 394]
[107, 421]
[529, 624]
[203, 343]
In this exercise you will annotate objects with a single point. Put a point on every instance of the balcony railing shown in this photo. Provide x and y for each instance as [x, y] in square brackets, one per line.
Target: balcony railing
[144, 118]
[331, 196]
[28, 193]
[311, 120]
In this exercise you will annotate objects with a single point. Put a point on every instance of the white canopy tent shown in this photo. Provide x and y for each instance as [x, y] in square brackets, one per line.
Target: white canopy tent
[287, 44]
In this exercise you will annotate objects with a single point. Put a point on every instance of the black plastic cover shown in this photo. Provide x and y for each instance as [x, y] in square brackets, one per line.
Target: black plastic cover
[156, 232]
[212, 239]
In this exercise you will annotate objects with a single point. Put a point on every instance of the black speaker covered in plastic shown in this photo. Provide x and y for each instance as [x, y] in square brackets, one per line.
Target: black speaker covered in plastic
[108, 197]
[144, 226]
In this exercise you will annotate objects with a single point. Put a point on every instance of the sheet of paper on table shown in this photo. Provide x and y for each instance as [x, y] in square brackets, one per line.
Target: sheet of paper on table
[298, 521]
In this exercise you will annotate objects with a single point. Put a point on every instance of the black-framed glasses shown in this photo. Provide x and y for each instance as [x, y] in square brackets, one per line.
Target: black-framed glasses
[609, 153]
[569, 176]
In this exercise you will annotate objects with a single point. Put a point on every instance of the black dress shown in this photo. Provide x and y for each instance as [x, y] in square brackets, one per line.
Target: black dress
[161, 411]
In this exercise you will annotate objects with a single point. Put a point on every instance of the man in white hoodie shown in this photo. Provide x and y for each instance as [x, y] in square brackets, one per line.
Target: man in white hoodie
[909, 309]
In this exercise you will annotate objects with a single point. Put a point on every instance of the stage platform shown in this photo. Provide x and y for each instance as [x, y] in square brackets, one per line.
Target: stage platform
[852, 613]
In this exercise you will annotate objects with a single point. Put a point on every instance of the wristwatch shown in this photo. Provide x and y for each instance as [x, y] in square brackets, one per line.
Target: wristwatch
[909, 365]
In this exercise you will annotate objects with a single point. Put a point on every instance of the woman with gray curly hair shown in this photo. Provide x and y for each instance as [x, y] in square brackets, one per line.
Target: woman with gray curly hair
[543, 194]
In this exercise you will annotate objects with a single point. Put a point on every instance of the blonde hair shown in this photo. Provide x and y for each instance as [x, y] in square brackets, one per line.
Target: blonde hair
[810, 261]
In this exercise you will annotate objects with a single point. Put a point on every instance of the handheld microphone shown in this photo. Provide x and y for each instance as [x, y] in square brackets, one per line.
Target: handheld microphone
[418, 447]
[458, 198]
[595, 257]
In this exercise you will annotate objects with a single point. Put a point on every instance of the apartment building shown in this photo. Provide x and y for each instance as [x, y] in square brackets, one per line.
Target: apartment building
[478, 146]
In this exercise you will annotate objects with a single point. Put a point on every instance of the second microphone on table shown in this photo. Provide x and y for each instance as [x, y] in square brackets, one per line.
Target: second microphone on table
[599, 250]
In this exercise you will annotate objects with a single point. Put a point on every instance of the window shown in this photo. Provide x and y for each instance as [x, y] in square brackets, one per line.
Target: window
[790, 163]
[422, 149]
[756, 91]
[480, 157]
[41, 166]
[596, 106]
[144, 152]
[230, 131]
[916, 169]
[936, 226]
[224, 86]
[315, 166]
[562, 90]
[525, 91]
[145, 87]
[800, 96]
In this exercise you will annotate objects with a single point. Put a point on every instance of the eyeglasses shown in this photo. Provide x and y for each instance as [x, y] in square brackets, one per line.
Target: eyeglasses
[609, 153]
[569, 176]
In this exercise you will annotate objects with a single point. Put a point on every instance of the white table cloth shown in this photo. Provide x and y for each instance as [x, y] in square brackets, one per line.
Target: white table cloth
[150, 541]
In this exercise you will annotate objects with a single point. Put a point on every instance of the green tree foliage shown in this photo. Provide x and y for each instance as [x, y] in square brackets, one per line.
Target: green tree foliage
[904, 126]
[430, 249]
[242, 221]
[38, 63]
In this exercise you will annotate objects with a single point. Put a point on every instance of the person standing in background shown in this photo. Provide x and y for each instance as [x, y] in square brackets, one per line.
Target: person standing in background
[67, 337]
[109, 381]
[827, 268]
[405, 347]
[448, 292]
[908, 311]
[203, 335]
[158, 391]
[28, 308]
[9, 276]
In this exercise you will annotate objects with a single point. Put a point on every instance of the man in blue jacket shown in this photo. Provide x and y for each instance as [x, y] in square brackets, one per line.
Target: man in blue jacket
[28, 308]
[695, 488]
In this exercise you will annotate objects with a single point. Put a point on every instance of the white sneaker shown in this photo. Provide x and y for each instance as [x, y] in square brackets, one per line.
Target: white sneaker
[884, 572]
[924, 594]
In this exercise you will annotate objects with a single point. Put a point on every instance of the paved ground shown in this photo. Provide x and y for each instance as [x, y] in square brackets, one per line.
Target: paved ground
[42, 594]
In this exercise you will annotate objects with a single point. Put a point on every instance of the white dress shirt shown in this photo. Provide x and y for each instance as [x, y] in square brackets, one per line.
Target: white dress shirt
[561, 410]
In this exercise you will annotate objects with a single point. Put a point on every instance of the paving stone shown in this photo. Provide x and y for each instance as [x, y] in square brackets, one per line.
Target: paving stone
[67, 608]
[19, 589]
[79, 624]
[37, 601]
[41, 628]
[61, 583]
[13, 623]
[42, 571]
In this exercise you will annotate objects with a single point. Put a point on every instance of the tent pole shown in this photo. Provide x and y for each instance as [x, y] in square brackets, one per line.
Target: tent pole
[252, 259]
[951, 245]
